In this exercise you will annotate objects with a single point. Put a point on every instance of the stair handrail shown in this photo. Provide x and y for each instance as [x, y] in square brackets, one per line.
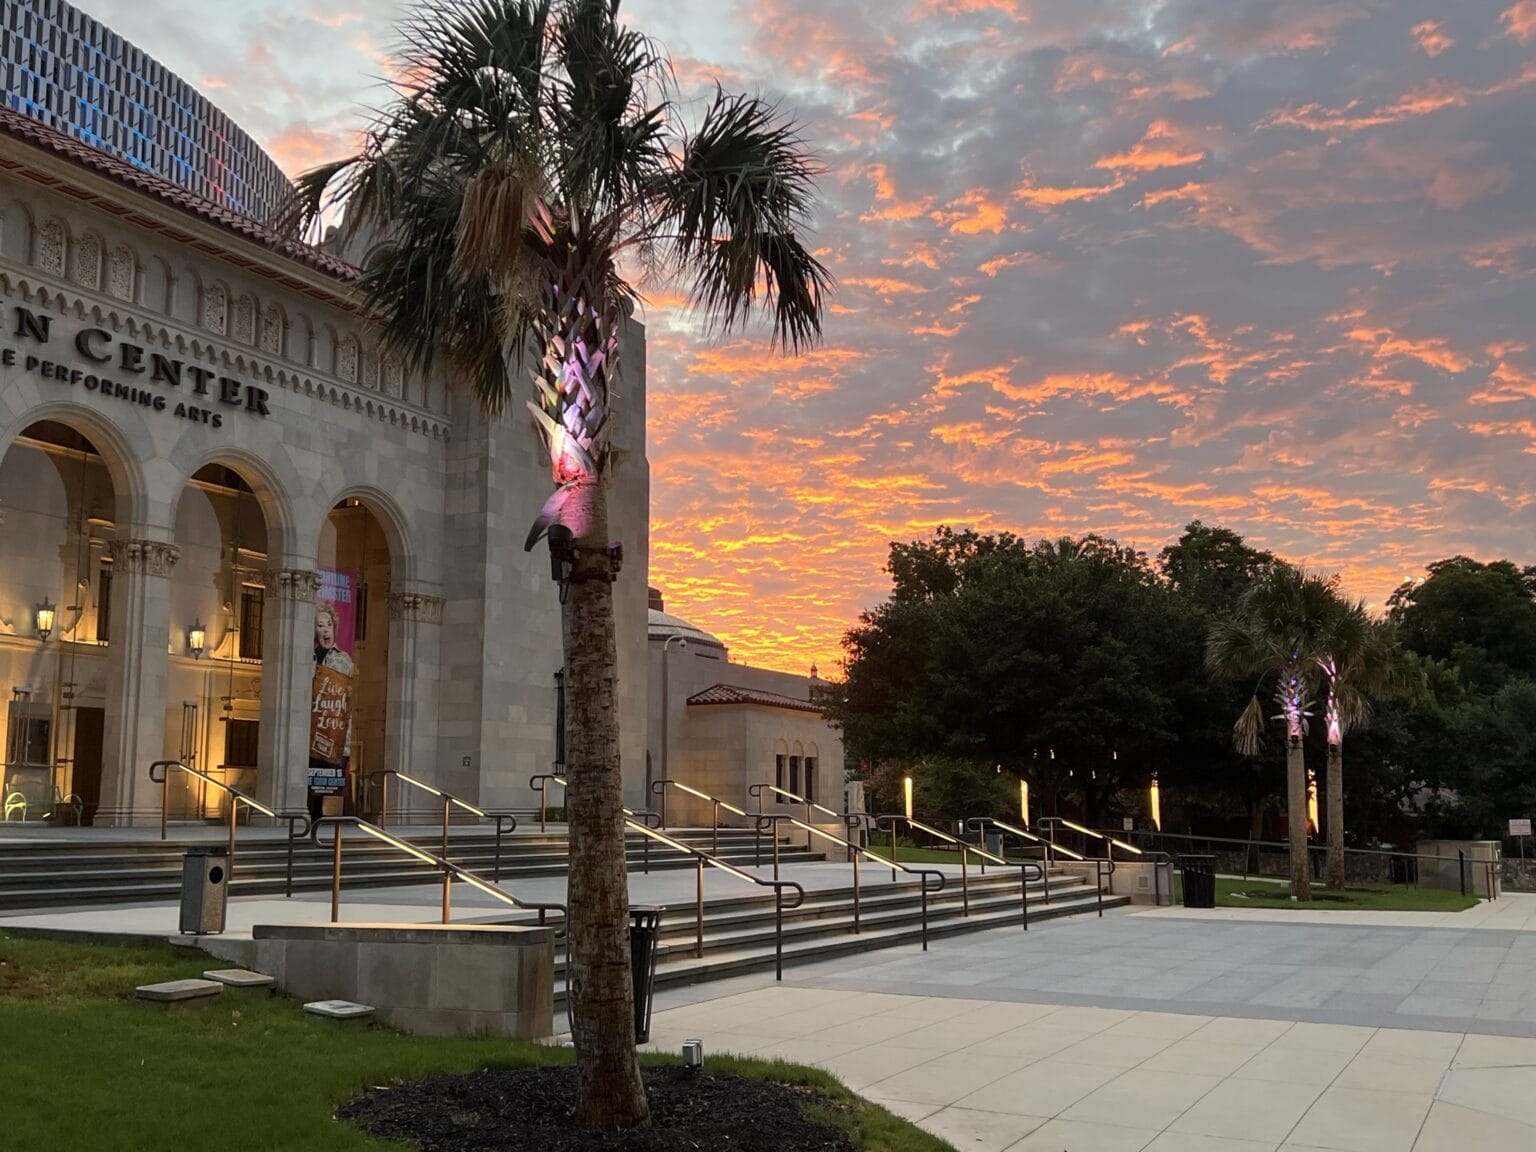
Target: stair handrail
[701, 858]
[540, 784]
[1103, 866]
[448, 868]
[237, 798]
[505, 820]
[966, 848]
[1050, 824]
[659, 788]
[981, 823]
[855, 851]
[849, 820]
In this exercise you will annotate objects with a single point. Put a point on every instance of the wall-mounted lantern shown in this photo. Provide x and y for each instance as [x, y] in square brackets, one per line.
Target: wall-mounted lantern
[45, 620]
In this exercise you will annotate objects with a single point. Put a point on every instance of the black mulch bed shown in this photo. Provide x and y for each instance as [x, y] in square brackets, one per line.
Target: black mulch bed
[513, 1110]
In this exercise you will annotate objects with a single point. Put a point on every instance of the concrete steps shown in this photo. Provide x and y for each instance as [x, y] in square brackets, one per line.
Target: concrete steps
[57, 875]
[739, 932]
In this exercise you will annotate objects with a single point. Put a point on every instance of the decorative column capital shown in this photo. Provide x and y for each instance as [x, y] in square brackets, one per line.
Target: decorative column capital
[144, 557]
[414, 606]
[298, 584]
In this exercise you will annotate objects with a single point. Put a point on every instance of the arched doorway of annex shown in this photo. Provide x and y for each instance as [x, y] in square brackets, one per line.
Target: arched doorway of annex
[68, 480]
[228, 523]
[363, 551]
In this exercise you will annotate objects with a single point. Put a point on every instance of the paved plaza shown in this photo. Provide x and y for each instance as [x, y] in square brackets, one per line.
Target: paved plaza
[1162, 1030]
[1168, 1031]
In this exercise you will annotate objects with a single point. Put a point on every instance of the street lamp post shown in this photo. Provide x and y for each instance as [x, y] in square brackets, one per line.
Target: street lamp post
[666, 710]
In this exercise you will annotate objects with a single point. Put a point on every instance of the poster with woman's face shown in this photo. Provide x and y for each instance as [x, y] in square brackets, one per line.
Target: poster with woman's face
[330, 716]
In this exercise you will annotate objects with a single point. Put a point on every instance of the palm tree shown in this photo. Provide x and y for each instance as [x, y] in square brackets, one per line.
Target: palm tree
[1277, 635]
[532, 160]
[1356, 659]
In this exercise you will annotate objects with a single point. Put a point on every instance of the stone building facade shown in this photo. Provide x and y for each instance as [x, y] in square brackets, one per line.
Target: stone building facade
[197, 431]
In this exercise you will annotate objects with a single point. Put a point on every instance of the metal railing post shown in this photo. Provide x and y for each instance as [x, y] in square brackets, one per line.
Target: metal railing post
[698, 925]
[775, 853]
[165, 799]
[893, 879]
[384, 802]
[1098, 873]
[229, 870]
[923, 881]
[855, 858]
[336, 877]
[288, 891]
[1461, 871]
[714, 829]
[447, 806]
[1024, 892]
[965, 884]
[447, 894]
[808, 835]
[778, 933]
[543, 803]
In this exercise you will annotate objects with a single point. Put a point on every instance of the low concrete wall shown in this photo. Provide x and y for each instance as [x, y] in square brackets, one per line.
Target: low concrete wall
[430, 979]
[1447, 872]
[1144, 883]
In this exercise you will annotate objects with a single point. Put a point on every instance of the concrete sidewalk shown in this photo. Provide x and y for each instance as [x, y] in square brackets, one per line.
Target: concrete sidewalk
[1511, 912]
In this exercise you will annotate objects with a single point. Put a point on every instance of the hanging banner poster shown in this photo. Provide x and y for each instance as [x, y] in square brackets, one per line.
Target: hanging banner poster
[330, 716]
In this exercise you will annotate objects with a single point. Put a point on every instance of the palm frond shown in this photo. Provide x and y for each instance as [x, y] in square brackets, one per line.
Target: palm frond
[1248, 732]
[734, 205]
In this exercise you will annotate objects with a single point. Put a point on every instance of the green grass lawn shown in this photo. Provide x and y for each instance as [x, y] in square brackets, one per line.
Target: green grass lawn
[1252, 893]
[87, 1068]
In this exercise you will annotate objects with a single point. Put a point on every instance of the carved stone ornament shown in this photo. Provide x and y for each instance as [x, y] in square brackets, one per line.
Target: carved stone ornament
[144, 557]
[414, 606]
[215, 308]
[88, 261]
[292, 584]
[121, 283]
[245, 320]
[272, 330]
[50, 248]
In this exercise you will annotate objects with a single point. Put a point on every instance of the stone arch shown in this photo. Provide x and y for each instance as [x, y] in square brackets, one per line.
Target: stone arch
[274, 327]
[271, 475]
[390, 518]
[121, 451]
[16, 239]
[158, 292]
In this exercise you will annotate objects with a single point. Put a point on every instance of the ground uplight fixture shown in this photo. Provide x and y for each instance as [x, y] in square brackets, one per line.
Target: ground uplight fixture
[45, 620]
[906, 794]
[1024, 802]
[197, 639]
[693, 1053]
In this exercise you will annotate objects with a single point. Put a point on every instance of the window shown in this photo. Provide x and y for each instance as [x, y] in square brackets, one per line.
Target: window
[240, 743]
[252, 606]
[810, 778]
[794, 774]
[778, 771]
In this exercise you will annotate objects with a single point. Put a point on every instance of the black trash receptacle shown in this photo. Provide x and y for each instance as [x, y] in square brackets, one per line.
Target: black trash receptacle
[204, 889]
[1199, 873]
[644, 931]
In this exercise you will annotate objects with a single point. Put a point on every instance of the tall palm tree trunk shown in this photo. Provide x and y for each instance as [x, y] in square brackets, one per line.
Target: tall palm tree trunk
[1296, 817]
[1335, 868]
[610, 1093]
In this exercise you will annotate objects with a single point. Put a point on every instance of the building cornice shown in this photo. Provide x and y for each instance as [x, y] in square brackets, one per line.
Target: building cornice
[54, 160]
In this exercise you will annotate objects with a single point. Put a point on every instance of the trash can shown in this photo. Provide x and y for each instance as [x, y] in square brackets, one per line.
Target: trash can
[204, 889]
[995, 843]
[644, 931]
[1199, 873]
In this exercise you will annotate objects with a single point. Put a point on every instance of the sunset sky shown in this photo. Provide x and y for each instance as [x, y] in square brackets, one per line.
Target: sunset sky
[1105, 265]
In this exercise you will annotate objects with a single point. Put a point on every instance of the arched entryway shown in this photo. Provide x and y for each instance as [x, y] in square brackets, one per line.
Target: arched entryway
[58, 507]
[217, 618]
[351, 692]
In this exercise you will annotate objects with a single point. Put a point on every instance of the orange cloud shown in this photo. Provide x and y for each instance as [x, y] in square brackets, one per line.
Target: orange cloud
[1045, 196]
[1432, 37]
[975, 213]
[1157, 149]
[1519, 21]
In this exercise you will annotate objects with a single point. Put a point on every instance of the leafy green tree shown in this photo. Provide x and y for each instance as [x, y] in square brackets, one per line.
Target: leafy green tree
[1480, 617]
[1057, 661]
[531, 157]
[1278, 638]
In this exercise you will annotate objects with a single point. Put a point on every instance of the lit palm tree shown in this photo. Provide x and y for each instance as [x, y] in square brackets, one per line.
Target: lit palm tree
[1277, 636]
[531, 158]
[1356, 660]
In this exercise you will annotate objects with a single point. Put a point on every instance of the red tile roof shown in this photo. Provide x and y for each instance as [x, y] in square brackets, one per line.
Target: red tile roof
[731, 694]
[20, 126]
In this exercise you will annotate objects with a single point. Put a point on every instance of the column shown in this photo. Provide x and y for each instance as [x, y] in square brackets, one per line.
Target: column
[136, 680]
[287, 674]
[410, 705]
